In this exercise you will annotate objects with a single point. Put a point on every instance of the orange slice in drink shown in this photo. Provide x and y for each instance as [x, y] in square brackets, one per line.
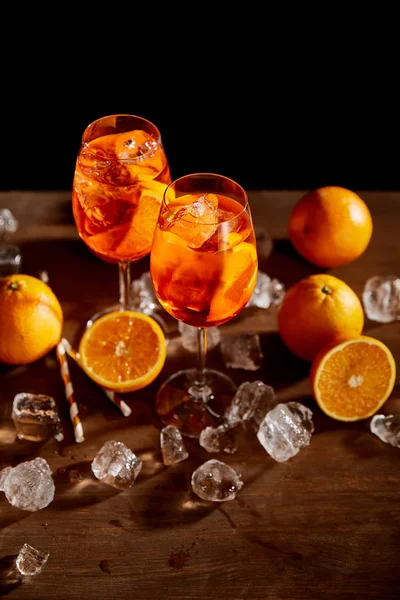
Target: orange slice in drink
[132, 240]
[238, 278]
[353, 379]
[137, 242]
[123, 351]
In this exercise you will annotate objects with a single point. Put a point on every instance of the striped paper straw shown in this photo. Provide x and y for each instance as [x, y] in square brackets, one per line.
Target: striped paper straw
[124, 408]
[115, 399]
[69, 392]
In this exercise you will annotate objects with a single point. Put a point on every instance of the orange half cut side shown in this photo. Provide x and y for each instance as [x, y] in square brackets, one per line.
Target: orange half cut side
[123, 351]
[353, 379]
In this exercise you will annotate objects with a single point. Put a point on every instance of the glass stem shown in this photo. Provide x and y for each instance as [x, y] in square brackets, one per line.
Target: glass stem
[200, 390]
[200, 381]
[124, 285]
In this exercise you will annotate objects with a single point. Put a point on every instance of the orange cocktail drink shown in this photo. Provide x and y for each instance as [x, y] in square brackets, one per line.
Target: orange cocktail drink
[118, 186]
[204, 259]
[120, 176]
[203, 265]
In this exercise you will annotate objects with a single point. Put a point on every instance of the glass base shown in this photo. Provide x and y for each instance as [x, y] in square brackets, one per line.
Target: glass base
[178, 403]
[116, 307]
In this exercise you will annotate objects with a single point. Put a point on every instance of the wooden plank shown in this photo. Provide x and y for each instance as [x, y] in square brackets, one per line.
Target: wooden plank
[322, 525]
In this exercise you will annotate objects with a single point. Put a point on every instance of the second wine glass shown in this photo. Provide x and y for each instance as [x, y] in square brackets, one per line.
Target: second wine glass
[203, 265]
[120, 176]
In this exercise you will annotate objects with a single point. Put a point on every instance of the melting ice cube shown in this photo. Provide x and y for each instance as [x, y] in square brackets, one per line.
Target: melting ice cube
[116, 465]
[8, 223]
[35, 417]
[381, 298]
[242, 351]
[387, 428]
[216, 481]
[219, 439]
[134, 144]
[195, 223]
[172, 447]
[267, 292]
[189, 337]
[29, 485]
[10, 260]
[144, 296]
[285, 430]
[31, 561]
[252, 401]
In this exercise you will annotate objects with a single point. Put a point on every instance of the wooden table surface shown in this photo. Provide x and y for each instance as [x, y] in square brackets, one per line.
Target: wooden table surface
[324, 524]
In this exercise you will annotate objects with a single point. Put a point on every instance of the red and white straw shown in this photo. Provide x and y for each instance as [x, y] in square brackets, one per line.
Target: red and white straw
[69, 392]
[115, 399]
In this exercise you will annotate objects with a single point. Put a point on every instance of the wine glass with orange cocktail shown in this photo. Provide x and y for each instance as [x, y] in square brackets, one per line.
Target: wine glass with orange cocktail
[120, 176]
[203, 265]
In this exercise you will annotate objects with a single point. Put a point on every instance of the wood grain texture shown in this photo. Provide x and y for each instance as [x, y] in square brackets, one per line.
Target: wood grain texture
[323, 525]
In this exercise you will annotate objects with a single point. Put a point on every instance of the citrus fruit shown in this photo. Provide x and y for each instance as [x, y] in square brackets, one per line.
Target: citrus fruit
[330, 226]
[353, 379]
[123, 351]
[316, 311]
[31, 319]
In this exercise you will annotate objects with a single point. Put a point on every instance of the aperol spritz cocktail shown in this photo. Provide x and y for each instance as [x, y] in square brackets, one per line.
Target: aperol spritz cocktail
[204, 268]
[120, 177]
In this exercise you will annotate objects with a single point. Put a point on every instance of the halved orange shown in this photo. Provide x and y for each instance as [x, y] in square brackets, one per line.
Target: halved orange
[353, 379]
[123, 351]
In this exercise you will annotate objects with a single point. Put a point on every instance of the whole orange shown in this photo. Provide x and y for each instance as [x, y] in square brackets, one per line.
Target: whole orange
[317, 311]
[31, 319]
[330, 226]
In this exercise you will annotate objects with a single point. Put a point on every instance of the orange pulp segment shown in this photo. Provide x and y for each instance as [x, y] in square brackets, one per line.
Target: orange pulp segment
[238, 278]
[138, 240]
[132, 240]
[353, 379]
[123, 351]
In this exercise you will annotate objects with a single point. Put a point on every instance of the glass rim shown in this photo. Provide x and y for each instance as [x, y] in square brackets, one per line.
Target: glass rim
[140, 158]
[245, 206]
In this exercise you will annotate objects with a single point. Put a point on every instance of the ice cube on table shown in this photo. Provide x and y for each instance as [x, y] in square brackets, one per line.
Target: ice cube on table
[195, 223]
[216, 481]
[252, 401]
[10, 260]
[267, 292]
[35, 417]
[116, 465]
[29, 485]
[172, 447]
[219, 439]
[144, 297]
[30, 561]
[387, 428]
[43, 275]
[189, 337]
[8, 223]
[285, 430]
[381, 298]
[264, 242]
[242, 351]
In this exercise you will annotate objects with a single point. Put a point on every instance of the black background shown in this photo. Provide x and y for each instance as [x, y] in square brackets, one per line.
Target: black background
[288, 120]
